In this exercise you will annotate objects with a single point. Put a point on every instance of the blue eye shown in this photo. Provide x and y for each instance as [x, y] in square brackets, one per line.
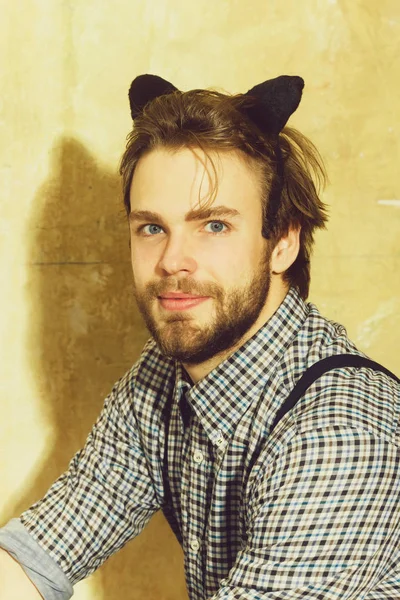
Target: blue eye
[219, 223]
[141, 229]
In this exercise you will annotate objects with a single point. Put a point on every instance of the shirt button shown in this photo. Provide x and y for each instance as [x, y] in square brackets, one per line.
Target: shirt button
[195, 544]
[198, 457]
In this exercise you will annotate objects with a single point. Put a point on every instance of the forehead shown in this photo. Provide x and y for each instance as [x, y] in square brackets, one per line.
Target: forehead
[186, 178]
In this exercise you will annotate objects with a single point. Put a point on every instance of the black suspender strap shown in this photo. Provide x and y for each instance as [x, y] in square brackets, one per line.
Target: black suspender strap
[318, 369]
[167, 504]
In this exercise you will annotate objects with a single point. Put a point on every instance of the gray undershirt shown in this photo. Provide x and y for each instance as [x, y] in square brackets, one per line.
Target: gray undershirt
[41, 569]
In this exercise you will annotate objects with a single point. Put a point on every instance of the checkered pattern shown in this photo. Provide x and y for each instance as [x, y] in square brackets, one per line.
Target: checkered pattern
[311, 511]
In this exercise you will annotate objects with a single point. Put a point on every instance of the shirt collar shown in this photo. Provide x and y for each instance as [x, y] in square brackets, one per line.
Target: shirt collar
[222, 397]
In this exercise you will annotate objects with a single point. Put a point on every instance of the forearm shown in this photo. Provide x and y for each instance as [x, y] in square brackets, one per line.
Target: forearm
[14, 581]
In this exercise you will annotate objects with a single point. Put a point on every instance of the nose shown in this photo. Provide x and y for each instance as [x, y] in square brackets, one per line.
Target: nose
[177, 256]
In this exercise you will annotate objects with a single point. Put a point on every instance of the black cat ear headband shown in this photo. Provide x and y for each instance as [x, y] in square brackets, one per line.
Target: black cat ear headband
[275, 101]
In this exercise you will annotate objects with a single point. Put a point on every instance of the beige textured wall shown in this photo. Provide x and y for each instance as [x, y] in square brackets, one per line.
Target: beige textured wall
[68, 325]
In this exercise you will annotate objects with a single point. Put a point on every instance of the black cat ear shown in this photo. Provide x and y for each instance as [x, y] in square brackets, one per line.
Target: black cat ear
[277, 100]
[145, 88]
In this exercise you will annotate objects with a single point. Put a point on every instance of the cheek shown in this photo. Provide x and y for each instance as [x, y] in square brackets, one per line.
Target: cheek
[229, 267]
[232, 264]
[141, 254]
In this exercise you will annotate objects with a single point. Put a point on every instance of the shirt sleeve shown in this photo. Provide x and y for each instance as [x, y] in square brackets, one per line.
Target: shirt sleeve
[104, 499]
[323, 520]
[37, 564]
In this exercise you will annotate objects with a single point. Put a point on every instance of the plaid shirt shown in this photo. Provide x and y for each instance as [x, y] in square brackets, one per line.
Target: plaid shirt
[310, 511]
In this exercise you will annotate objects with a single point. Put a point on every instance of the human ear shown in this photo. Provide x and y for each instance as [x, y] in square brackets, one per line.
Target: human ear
[285, 252]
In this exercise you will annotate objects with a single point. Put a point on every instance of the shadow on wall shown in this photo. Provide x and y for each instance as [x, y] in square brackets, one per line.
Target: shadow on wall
[85, 333]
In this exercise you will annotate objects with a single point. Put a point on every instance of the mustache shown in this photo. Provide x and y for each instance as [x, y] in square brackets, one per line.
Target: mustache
[185, 286]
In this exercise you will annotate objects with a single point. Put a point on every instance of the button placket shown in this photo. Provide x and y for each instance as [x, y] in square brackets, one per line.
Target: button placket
[197, 473]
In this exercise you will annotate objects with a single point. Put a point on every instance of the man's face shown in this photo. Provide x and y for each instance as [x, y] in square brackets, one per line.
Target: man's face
[220, 258]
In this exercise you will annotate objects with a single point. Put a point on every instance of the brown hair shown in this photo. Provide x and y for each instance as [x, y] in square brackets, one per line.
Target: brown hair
[213, 121]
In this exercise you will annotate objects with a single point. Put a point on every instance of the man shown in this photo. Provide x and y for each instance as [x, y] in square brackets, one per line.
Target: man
[269, 499]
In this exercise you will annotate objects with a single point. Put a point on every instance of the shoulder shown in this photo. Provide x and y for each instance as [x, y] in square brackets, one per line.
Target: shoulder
[359, 397]
[351, 397]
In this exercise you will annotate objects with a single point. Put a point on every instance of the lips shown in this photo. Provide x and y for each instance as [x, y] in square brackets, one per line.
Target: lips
[180, 302]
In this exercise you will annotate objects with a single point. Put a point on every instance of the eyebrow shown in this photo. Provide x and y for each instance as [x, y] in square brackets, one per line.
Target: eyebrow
[192, 215]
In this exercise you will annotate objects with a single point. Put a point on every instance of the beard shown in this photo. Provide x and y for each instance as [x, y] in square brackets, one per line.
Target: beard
[179, 336]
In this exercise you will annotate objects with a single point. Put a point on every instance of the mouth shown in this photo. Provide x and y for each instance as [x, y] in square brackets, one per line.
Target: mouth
[180, 301]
